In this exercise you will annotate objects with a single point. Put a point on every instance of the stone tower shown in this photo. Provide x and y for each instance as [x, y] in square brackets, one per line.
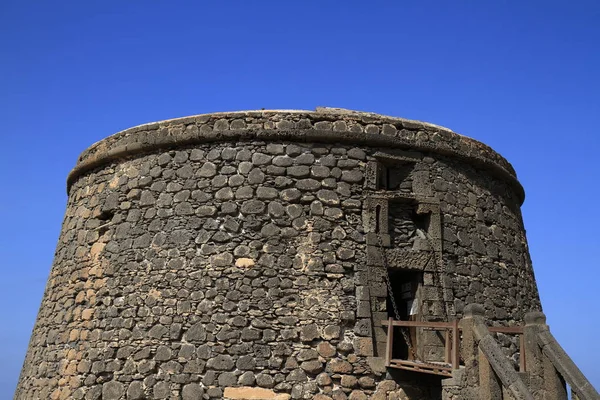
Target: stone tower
[251, 255]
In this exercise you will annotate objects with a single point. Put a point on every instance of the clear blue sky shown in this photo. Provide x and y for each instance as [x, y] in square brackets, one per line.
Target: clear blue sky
[521, 76]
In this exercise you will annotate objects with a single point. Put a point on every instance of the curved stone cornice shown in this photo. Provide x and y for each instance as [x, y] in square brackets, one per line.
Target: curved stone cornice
[322, 125]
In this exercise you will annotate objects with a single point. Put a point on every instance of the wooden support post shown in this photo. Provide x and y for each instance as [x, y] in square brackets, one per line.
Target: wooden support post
[447, 348]
[522, 358]
[390, 342]
[455, 345]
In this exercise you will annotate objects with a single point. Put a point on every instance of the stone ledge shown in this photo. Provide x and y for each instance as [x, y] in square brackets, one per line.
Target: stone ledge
[331, 125]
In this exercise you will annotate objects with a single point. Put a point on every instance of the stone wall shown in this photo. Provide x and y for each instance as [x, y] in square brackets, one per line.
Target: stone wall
[235, 255]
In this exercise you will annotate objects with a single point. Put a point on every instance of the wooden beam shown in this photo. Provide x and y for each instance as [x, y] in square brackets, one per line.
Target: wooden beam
[390, 342]
[420, 324]
[428, 368]
[447, 347]
[455, 345]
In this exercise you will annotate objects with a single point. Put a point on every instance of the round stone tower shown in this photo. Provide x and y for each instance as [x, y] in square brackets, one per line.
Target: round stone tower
[254, 255]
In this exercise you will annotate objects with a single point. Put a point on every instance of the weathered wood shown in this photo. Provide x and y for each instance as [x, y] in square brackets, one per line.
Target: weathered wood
[428, 368]
[455, 345]
[447, 347]
[452, 341]
[390, 342]
[420, 324]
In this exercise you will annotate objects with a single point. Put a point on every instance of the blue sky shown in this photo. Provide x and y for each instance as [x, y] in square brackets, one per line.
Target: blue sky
[519, 76]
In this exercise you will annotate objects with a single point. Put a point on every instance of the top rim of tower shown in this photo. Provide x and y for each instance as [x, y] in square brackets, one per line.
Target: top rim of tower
[324, 124]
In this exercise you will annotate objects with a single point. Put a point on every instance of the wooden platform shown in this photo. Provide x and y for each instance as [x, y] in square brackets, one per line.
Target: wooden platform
[442, 369]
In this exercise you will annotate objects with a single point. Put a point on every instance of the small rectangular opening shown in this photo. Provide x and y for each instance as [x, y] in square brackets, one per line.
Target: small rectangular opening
[395, 176]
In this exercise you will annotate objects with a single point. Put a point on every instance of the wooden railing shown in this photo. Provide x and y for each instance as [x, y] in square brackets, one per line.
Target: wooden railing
[451, 345]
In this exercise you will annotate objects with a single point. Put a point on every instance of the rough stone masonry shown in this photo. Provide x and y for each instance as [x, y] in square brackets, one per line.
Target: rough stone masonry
[244, 255]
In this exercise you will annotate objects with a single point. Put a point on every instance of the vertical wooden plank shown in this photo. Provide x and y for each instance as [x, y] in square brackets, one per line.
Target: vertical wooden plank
[390, 342]
[447, 347]
[455, 345]
[522, 358]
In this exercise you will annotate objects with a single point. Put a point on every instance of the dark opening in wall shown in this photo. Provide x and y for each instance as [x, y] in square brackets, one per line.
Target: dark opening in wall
[395, 175]
[422, 221]
[406, 285]
[104, 220]
[106, 215]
